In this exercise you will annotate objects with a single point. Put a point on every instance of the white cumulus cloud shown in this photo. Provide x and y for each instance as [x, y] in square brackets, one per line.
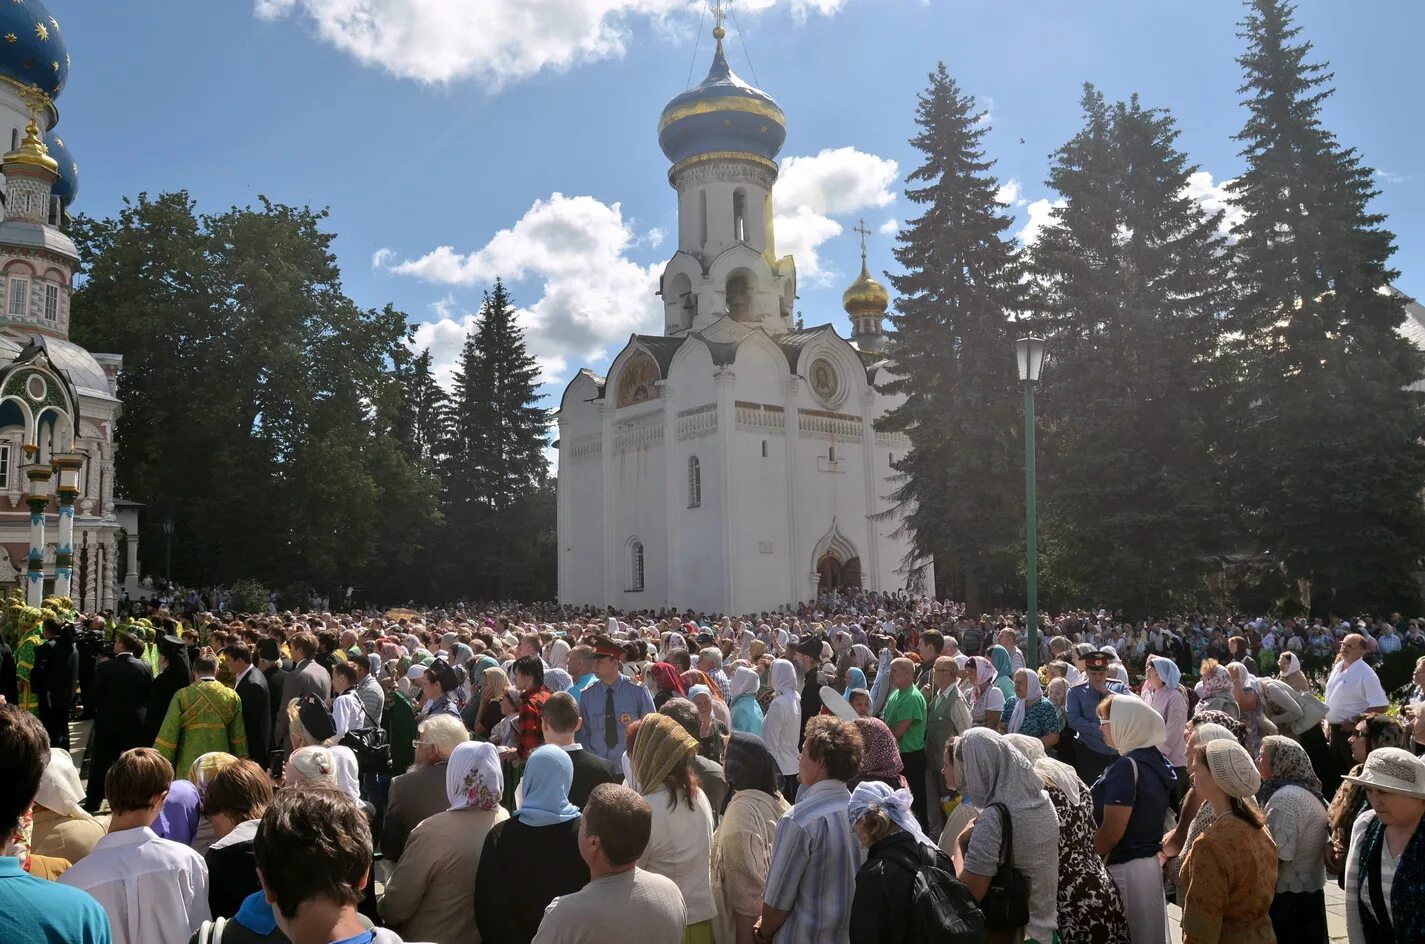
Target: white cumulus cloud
[1215, 197]
[494, 41]
[811, 190]
[889, 227]
[1040, 215]
[590, 294]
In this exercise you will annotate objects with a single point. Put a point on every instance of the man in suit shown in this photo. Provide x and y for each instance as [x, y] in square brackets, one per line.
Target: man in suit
[561, 721]
[420, 794]
[275, 671]
[308, 678]
[119, 691]
[251, 686]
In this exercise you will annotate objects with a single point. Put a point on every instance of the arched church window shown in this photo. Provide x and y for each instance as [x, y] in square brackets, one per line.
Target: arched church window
[695, 483]
[739, 298]
[635, 566]
[739, 215]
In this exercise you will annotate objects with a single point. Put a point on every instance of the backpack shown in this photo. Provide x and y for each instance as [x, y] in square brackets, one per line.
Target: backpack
[942, 909]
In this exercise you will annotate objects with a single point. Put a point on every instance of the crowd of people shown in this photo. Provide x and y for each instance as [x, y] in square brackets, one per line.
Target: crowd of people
[858, 769]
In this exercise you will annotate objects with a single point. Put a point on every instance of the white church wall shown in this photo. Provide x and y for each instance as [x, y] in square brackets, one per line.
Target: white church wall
[636, 488]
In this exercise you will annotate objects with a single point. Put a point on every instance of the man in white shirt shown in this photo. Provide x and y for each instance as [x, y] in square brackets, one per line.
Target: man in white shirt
[348, 714]
[155, 891]
[1353, 689]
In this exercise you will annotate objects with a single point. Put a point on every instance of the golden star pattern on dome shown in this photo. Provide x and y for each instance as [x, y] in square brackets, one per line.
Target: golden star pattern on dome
[54, 22]
[11, 38]
[41, 32]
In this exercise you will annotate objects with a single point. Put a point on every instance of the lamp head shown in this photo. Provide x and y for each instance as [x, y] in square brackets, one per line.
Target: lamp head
[1030, 353]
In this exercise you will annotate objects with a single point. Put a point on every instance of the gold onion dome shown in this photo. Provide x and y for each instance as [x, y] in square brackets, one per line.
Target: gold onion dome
[32, 151]
[865, 296]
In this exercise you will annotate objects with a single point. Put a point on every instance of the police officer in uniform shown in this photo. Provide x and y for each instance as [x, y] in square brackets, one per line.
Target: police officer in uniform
[611, 704]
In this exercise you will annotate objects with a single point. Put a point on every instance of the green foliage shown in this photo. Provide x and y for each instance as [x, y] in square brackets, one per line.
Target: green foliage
[953, 344]
[1131, 279]
[248, 596]
[1329, 460]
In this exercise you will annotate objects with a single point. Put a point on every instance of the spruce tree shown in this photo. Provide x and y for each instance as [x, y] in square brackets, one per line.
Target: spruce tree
[962, 486]
[425, 411]
[1131, 281]
[1329, 460]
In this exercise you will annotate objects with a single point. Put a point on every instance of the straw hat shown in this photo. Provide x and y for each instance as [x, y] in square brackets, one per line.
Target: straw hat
[1393, 769]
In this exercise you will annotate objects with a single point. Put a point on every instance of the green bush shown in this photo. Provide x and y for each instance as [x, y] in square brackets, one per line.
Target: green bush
[247, 596]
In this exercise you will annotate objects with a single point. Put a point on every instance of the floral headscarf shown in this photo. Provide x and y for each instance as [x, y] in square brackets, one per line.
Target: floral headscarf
[880, 758]
[1212, 716]
[1290, 766]
[473, 779]
[1215, 681]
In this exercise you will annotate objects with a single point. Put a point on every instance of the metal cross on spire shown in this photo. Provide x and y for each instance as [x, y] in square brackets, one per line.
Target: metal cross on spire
[718, 14]
[864, 233]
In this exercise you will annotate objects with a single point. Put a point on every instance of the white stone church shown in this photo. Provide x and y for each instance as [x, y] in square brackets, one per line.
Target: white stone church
[730, 464]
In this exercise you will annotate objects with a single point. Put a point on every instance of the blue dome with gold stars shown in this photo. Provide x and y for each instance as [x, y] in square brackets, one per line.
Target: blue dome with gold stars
[67, 186]
[723, 113]
[32, 51]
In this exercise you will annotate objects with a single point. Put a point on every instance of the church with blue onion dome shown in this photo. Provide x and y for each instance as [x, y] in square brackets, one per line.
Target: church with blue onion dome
[731, 464]
[60, 528]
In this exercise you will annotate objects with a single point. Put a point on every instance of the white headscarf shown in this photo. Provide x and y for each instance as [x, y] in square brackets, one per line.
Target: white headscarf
[348, 776]
[990, 770]
[473, 779]
[744, 681]
[1293, 664]
[311, 765]
[784, 683]
[875, 795]
[1063, 776]
[1034, 692]
[60, 790]
[558, 653]
[1135, 724]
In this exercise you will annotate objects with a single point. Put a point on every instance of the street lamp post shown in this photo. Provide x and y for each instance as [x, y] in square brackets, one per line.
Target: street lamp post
[168, 549]
[1029, 352]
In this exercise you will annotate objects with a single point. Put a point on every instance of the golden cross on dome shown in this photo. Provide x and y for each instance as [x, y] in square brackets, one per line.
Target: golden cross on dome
[718, 16]
[864, 233]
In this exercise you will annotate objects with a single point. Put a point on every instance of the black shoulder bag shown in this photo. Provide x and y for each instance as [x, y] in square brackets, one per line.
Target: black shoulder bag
[370, 745]
[1006, 904]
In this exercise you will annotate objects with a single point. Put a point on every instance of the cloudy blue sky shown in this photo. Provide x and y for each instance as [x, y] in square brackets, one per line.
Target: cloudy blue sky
[454, 140]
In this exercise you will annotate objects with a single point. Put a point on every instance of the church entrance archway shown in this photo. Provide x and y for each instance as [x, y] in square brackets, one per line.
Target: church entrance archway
[833, 574]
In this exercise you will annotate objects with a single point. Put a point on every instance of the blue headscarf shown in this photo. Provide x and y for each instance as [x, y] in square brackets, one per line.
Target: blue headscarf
[855, 679]
[1167, 670]
[557, 680]
[999, 658]
[548, 775]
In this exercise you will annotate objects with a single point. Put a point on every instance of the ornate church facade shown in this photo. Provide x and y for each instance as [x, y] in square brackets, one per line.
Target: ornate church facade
[731, 464]
[59, 525]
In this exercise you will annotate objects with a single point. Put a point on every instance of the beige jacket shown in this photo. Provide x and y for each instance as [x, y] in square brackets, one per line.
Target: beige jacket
[431, 893]
[65, 837]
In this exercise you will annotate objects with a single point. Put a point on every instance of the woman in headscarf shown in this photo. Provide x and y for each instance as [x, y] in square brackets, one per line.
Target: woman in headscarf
[1033, 714]
[746, 712]
[1164, 693]
[680, 840]
[558, 680]
[882, 909]
[178, 820]
[1289, 671]
[712, 733]
[664, 682]
[1249, 705]
[742, 844]
[674, 643]
[855, 678]
[1194, 815]
[1131, 801]
[1290, 796]
[559, 654]
[1385, 907]
[1003, 785]
[719, 706]
[986, 699]
[1004, 675]
[1229, 875]
[961, 812]
[1090, 908]
[428, 897]
[235, 795]
[1215, 690]
[60, 828]
[532, 858]
[1372, 733]
[781, 728]
[310, 765]
[880, 758]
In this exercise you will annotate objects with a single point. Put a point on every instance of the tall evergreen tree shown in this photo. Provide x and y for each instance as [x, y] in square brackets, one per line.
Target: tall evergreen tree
[495, 461]
[425, 409]
[1131, 281]
[962, 489]
[1330, 459]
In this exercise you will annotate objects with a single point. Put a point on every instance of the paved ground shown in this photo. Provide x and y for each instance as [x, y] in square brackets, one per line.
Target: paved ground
[1335, 898]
